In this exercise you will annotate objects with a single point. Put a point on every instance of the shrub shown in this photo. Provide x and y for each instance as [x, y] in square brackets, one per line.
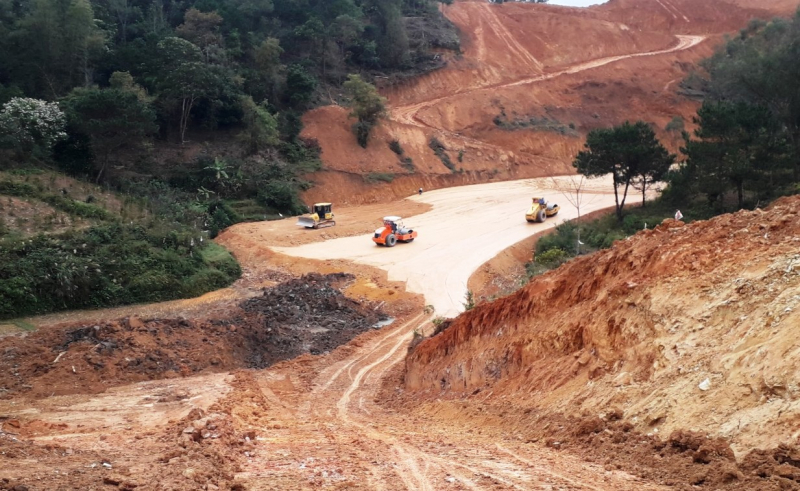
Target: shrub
[469, 300]
[440, 325]
[441, 152]
[26, 123]
[361, 129]
[564, 237]
[379, 176]
[395, 147]
[408, 164]
[552, 257]
[675, 125]
[282, 196]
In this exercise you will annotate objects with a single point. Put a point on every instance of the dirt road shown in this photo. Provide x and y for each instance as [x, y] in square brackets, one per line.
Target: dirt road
[467, 226]
[336, 435]
[408, 114]
[311, 423]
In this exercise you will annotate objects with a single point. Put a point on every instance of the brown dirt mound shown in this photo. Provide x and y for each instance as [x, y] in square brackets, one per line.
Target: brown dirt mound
[682, 327]
[305, 315]
[684, 460]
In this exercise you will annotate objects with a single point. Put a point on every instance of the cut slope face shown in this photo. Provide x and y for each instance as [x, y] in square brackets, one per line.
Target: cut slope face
[682, 327]
[531, 81]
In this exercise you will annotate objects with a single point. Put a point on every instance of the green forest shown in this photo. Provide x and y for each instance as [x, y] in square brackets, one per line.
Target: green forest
[127, 73]
[116, 92]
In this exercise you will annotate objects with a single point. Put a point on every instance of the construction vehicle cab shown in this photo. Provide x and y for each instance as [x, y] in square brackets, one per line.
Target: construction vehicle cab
[321, 216]
[540, 209]
[392, 232]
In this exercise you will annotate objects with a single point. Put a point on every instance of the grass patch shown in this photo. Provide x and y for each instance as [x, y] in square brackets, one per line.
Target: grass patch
[379, 177]
[59, 202]
[23, 325]
[441, 152]
[537, 124]
[108, 265]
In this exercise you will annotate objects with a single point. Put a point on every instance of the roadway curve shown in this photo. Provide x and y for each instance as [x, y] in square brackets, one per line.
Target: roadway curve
[466, 227]
[408, 114]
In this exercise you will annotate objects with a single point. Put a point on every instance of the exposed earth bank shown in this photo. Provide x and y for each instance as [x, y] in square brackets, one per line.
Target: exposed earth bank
[304, 315]
[679, 328]
[667, 362]
[531, 82]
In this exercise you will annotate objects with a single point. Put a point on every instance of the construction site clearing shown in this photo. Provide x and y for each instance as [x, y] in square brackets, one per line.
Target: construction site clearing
[666, 362]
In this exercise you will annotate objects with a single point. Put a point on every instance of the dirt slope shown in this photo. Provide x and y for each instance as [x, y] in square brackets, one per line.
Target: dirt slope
[303, 315]
[680, 327]
[560, 71]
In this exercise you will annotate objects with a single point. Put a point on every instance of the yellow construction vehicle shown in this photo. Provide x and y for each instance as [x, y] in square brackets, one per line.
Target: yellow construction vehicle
[540, 209]
[321, 216]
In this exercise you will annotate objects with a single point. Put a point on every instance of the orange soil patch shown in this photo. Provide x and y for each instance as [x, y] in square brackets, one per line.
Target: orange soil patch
[683, 326]
[585, 68]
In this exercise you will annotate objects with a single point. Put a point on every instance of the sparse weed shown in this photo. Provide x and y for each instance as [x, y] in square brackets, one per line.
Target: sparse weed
[441, 152]
[395, 147]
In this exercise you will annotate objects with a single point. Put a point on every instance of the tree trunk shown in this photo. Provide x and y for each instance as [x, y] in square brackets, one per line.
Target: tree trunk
[624, 195]
[617, 208]
[102, 169]
[186, 110]
[796, 169]
[644, 190]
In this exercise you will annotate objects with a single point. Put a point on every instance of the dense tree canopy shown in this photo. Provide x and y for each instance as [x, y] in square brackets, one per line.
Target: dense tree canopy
[630, 153]
[196, 60]
[747, 143]
[111, 118]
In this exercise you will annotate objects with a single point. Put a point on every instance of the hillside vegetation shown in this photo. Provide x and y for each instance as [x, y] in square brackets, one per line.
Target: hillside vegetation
[134, 78]
[66, 245]
[188, 116]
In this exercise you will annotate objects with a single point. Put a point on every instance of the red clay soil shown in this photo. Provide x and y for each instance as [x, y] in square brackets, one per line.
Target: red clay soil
[682, 460]
[684, 327]
[579, 68]
[303, 315]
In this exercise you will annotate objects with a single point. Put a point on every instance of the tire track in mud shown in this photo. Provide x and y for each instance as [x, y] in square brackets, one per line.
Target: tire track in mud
[418, 480]
[513, 45]
[672, 10]
[329, 402]
[344, 394]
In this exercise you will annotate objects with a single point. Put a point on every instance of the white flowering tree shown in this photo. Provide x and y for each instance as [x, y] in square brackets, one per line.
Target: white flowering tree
[26, 123]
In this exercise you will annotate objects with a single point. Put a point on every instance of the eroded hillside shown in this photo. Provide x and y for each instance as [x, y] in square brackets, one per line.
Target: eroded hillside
[679, 327]
[531, 81]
